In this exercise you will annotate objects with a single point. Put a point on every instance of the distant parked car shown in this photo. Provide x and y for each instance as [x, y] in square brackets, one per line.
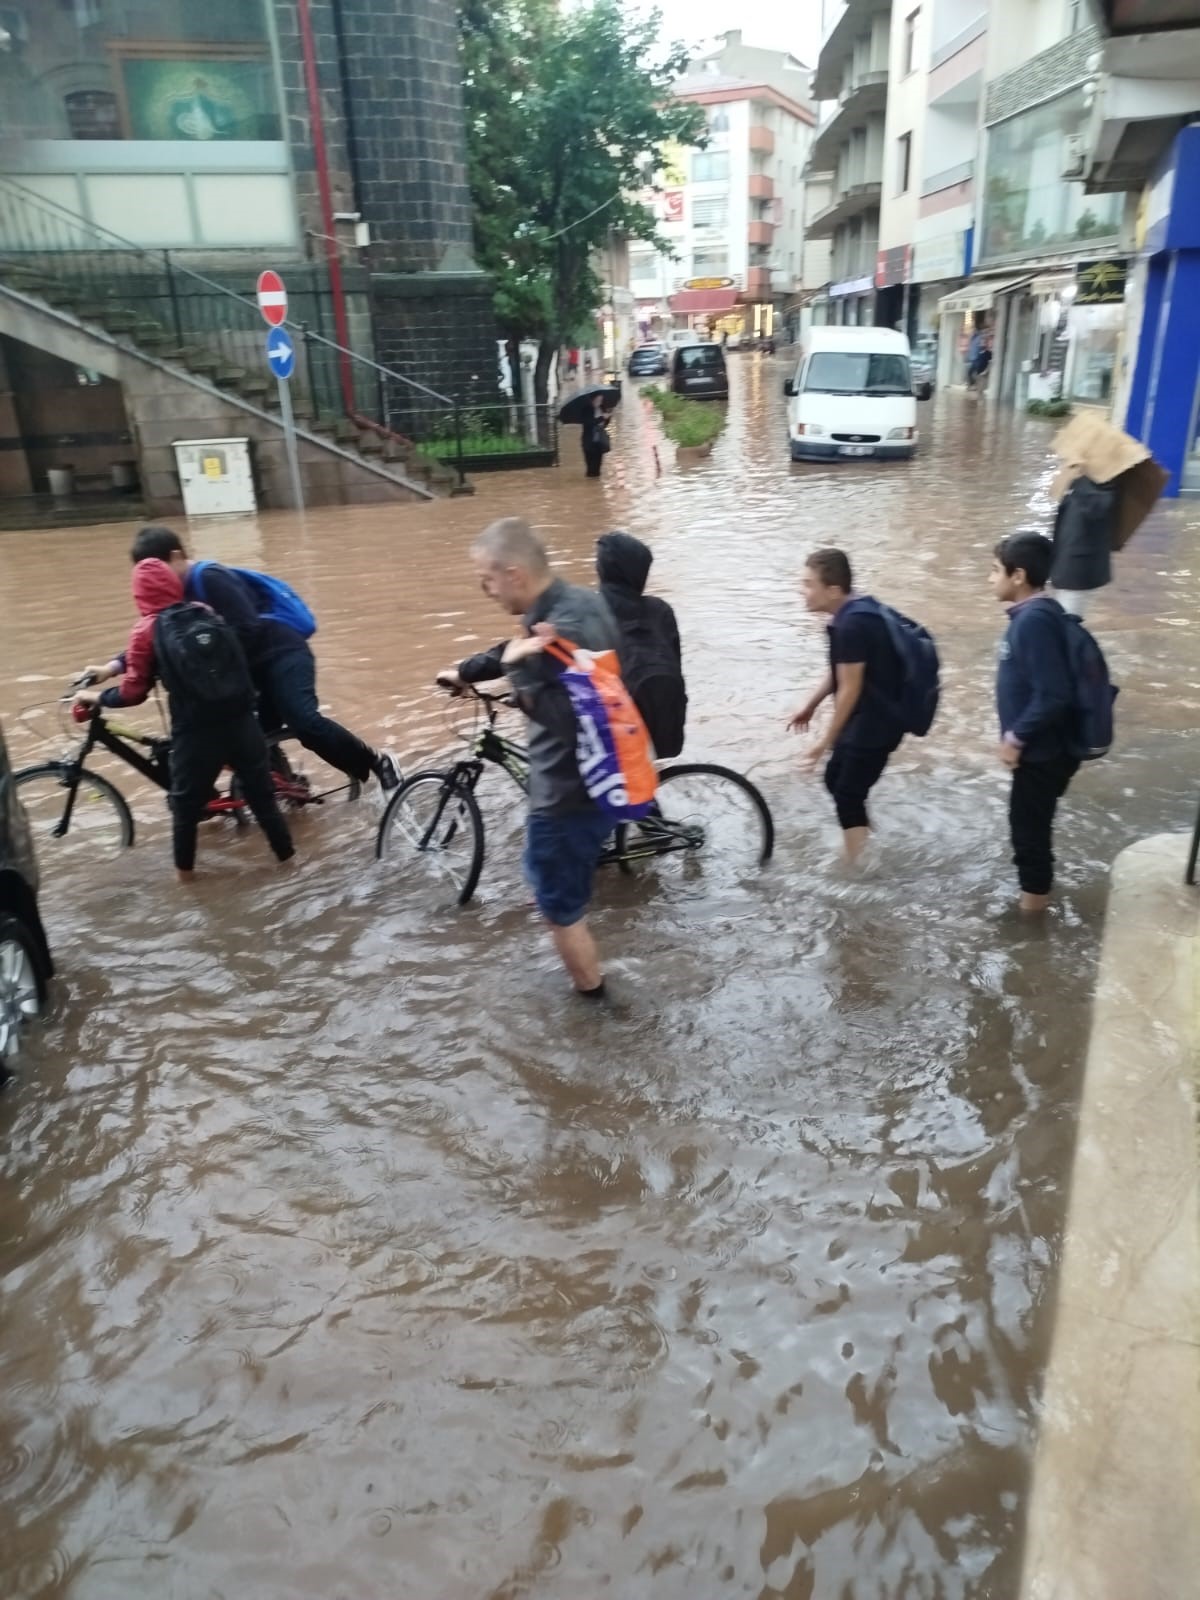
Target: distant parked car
[26, 966]
[648, 360]
[699, 371]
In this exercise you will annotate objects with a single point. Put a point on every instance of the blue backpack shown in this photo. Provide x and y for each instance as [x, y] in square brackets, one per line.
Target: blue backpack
[920, 682]
[272, 597]
[1092, 735]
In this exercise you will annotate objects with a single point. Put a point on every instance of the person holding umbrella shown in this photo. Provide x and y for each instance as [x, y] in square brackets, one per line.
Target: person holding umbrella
[590, 410]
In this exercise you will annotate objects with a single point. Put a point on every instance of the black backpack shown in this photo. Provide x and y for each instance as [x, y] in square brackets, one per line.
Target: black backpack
[201, 661]
[919, 688]
[651, 673]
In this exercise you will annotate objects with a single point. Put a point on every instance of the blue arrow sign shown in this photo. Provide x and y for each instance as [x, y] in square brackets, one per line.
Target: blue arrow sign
[281, 353]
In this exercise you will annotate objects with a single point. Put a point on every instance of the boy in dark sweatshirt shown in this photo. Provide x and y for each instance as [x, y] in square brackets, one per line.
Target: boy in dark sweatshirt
[1035, 697]
[204, 737]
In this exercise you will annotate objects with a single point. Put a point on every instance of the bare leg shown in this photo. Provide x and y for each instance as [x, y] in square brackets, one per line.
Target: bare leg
[577, 952]
[856, 842]
[1032, 904]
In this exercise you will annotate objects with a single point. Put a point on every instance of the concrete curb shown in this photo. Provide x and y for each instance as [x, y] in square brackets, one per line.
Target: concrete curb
[1113, 1513]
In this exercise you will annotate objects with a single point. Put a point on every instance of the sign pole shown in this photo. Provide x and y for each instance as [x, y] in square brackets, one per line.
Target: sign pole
[289, 439]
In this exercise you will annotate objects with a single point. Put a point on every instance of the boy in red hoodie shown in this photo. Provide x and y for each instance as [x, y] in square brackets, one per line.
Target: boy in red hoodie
[211, 699]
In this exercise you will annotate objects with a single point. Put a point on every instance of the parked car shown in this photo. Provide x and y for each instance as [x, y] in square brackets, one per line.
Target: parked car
[853, 395]
[648, 360]
[699, 371]
[26, 966]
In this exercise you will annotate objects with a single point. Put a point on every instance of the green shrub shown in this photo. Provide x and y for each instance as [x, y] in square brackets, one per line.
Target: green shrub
[690, 423]
[1049, 408]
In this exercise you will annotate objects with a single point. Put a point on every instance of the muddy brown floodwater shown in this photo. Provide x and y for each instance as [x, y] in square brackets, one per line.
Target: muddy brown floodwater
[345, 1257]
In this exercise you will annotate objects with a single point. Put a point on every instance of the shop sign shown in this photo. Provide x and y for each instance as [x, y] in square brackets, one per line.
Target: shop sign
[940, 259]
[1100, 283]
[852, 286]
[672, 205]
[893, 266]
[709, 283]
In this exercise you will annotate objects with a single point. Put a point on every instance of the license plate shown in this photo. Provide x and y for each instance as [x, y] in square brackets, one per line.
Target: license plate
[698, 383]
[856, 449]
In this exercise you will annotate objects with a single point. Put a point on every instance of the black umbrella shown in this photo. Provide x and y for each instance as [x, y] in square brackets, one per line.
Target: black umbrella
[580, 406]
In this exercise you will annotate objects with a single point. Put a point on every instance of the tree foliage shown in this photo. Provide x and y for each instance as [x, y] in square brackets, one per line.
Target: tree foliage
[568, 112]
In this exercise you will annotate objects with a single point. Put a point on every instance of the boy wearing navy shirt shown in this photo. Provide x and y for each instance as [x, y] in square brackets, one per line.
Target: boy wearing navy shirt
[863, 671]
[1035, 698]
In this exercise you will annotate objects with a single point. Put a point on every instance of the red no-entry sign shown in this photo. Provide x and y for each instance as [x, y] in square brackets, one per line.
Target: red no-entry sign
[272, 298]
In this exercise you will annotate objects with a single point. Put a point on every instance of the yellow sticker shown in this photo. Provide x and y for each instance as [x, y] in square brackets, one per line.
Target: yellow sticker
[214, 467]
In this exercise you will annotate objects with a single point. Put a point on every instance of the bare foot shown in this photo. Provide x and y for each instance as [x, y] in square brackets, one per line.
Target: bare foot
[188, 876]
[287, 865]
[1031, 904]
[855, 841]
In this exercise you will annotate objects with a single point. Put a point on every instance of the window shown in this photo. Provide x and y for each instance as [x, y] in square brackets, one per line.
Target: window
[710, 263]
[1027, 208]
[176, 72]
[710, 211]
[910, 42]
[903, 162]
[701, 357]
[718, 120]
[710, 166]
[643, 268]
[844, 372]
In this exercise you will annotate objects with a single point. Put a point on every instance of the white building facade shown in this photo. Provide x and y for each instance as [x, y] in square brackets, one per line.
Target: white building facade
[733, 214]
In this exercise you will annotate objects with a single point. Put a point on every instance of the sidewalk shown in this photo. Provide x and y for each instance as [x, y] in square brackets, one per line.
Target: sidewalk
[1114, 1512]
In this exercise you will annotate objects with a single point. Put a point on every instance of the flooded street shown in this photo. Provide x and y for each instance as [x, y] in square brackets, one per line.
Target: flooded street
[346, 1256]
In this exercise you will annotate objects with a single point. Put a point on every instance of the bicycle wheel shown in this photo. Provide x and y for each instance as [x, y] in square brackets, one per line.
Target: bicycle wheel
[709, 823]
[99, 828]
[436, 822]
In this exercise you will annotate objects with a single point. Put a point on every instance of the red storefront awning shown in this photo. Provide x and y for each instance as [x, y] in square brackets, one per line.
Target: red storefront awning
[713, 301]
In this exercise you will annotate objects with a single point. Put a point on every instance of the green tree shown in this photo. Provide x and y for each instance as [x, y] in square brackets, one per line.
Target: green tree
[568, 111]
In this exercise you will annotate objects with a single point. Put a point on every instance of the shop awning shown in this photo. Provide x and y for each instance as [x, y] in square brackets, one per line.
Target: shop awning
[980, 295]
[713, 301]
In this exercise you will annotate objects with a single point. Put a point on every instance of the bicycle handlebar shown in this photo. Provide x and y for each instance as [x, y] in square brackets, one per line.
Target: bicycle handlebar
[461, 690]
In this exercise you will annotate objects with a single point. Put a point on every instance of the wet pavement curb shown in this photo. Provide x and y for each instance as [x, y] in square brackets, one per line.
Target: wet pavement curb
[1113, 1512]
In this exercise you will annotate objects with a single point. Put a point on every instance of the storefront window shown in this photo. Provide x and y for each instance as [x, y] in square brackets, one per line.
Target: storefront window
[186, 71]
[1028, 207]
[1097, 332]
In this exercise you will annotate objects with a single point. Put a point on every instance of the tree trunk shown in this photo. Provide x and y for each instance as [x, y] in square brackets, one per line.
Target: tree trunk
[547, 350]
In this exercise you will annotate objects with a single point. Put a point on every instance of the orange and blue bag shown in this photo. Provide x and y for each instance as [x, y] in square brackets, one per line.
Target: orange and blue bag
[611, 742]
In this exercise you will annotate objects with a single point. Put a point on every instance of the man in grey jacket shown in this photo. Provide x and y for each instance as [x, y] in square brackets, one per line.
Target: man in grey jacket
[566, 831]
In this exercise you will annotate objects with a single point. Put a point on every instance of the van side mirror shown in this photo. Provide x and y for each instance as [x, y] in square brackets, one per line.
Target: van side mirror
[789, 388]
[923, 391]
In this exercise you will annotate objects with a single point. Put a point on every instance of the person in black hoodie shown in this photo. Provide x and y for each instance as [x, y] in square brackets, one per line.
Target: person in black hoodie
[1035, 698]
[650, 651]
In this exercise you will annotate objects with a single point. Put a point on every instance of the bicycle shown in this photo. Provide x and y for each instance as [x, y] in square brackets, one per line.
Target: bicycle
[87, 815]
[710, 813]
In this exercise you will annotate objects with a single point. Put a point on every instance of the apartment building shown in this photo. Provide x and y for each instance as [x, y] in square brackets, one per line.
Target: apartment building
[851, 77]
[1037, 234]
[1143, 135]
[733, 212]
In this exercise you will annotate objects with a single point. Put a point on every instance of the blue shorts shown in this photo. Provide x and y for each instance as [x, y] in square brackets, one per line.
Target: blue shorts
[561, 853]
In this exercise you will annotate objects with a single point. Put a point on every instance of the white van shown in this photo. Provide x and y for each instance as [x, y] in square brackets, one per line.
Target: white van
[852, 395]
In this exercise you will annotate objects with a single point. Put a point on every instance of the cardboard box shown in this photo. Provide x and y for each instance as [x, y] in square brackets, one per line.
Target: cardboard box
[1090, 446]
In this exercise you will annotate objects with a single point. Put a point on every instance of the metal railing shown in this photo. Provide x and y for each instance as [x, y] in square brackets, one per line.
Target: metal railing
[183, 316]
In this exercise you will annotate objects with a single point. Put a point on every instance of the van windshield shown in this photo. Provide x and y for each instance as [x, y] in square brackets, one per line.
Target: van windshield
[857, 372]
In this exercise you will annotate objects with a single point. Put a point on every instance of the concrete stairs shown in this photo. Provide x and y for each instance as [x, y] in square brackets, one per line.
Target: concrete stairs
[179, 391]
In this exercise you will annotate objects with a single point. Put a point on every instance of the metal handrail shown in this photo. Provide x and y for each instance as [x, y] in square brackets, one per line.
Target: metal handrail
[187, 289]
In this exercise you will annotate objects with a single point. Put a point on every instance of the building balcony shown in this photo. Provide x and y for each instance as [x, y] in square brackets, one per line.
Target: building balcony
[761, 187]
[866, 96]
[838, 47]
[762, 140]
[758, 283]
[851, 202]
[1149, 88]
[949, 178]
[761, 232]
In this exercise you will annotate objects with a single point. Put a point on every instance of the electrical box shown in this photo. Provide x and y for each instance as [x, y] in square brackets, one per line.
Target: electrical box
[215, 476]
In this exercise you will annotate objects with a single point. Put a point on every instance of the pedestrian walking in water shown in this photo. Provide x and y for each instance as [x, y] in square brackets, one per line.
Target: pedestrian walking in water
[567, 830]
[1036, 701]
[864, 671]
[596, 442]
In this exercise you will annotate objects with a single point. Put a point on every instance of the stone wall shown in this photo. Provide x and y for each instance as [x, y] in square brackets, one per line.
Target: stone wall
[1051, 72]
